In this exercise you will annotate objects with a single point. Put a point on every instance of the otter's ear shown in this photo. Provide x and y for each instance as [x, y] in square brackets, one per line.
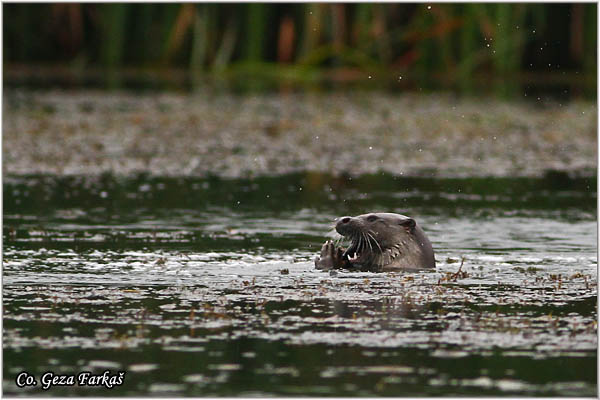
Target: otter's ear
[408, 223]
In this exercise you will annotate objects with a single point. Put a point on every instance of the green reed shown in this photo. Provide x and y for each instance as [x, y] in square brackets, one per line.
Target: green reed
[455, 43]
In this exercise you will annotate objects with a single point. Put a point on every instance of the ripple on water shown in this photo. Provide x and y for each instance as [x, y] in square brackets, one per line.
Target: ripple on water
[236, 298]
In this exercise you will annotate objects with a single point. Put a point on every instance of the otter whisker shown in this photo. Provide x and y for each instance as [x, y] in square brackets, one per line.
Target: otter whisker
[363, 242]
[375, 240]
[360, 245]
[369, 243]
[370, 239]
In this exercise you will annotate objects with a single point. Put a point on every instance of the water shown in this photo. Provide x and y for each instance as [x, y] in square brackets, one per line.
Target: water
[206, 287]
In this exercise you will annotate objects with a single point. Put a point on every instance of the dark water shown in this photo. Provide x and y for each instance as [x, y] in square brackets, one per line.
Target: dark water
[207, 287]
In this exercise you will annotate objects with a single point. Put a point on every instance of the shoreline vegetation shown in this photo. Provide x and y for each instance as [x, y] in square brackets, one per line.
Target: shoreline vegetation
[269, 77]
[243, 90]
[421, 45]
[222, 134]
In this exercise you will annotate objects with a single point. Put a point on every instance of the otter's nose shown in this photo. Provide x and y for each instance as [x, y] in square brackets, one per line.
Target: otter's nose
[343, 224]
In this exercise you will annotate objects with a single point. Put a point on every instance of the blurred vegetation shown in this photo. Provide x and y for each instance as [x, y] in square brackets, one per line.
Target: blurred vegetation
[469, 45]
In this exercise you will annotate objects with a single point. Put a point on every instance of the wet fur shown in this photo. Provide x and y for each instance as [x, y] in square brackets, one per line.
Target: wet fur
[384, 241]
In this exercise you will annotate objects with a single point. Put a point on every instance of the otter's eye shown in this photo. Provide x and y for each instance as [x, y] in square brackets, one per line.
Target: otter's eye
[371, 218]
[409, 223]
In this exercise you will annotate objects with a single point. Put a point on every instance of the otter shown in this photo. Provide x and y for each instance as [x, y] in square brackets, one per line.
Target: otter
[378, 242]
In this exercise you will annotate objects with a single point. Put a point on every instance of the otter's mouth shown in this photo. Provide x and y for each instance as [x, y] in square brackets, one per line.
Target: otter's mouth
[355, 257]
[362, 248]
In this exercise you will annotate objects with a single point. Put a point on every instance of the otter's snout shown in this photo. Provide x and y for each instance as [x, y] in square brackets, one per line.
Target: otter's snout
[345, 225]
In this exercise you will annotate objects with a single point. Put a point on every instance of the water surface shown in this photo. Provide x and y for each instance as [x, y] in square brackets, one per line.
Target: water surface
[206, 287]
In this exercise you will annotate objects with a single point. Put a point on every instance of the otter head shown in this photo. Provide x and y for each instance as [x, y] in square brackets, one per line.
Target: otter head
[373, 235]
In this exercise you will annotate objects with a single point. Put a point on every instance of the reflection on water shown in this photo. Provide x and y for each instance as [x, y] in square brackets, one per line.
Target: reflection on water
[207, 287]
